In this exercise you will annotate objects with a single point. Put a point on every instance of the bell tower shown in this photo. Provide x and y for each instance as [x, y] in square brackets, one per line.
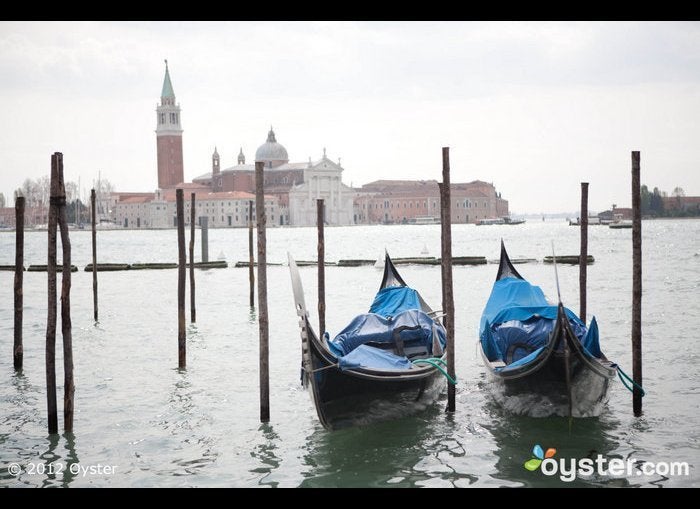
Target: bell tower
[215, 171]
[169, 137]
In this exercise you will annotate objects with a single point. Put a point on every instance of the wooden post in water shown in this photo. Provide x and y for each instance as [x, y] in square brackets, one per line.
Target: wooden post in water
[56, 159]
[636, 286]
[448, 304]
[18, 349]
[193, 310]
[66, 325]
[181, 267]
[251, 256]
[205, 238]
[262, 294]
[583, 255]
[94, 253]
[321, 269]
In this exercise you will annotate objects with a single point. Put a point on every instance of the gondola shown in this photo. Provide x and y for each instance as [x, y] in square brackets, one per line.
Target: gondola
[385, 364]
[539, 352]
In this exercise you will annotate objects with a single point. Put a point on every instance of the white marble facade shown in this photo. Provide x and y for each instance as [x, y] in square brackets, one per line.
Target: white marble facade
[322, 180]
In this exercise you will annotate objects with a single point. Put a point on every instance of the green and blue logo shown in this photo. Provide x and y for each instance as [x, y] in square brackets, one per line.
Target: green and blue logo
[538, 457]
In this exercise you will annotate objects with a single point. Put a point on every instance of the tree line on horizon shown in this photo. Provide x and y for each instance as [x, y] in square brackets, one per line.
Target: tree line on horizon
[37, 192]
[652, 203]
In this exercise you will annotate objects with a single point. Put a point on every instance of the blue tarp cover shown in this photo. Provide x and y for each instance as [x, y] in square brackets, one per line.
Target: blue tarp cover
[365, 356]
[378, 329]
[523, 360]
[517, 312]
[393, 300]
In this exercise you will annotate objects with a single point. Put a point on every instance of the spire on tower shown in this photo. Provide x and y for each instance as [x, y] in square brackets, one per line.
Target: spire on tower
[167, 85]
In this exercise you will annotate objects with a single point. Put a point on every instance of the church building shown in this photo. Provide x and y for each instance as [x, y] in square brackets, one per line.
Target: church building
[296, 186]
[224, 195]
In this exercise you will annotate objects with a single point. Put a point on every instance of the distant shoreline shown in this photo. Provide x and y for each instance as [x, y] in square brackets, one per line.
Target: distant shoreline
[120, 229]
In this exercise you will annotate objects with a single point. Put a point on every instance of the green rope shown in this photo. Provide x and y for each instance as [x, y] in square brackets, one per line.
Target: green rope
[436, 359]
[435, 362]
[625, 378]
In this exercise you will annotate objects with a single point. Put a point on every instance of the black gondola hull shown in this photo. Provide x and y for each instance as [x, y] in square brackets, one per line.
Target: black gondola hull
[359, 397]
[543, 391]
[562, 380]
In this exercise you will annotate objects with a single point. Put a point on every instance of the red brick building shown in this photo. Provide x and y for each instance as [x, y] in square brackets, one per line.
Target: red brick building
[33, 216]
[418, 201]
[684, 203]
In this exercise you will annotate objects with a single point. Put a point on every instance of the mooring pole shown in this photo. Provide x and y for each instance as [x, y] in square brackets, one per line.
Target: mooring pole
[94, 254]
[66, 325]
[56, 158]
[262, 294]
[181, 267]
[193, 310]
[321, 269]
[448, 304]
[251, 255]
[18, 350]
[205, 238]
[636, 286]
[583, 255]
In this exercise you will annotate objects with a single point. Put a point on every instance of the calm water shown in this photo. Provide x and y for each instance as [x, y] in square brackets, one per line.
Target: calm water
[158, 426]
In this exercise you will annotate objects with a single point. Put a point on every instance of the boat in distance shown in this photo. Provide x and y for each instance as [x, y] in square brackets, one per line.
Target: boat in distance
[499, 220]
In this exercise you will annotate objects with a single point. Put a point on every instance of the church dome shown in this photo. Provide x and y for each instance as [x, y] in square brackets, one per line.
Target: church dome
[271, 153]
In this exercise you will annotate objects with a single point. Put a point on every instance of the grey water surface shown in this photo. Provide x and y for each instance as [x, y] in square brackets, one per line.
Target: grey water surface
[140, 421]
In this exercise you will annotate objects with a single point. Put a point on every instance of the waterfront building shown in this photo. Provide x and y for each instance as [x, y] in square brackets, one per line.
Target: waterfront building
[418, 201]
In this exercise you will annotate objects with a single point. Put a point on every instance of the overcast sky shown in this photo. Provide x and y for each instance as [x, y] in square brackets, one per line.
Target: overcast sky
[535, 108]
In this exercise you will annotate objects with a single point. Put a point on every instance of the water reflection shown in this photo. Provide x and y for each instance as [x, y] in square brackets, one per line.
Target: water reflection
[379, 455]
[70, 459]
[516, 436]
[57, 470]
[265, 454]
